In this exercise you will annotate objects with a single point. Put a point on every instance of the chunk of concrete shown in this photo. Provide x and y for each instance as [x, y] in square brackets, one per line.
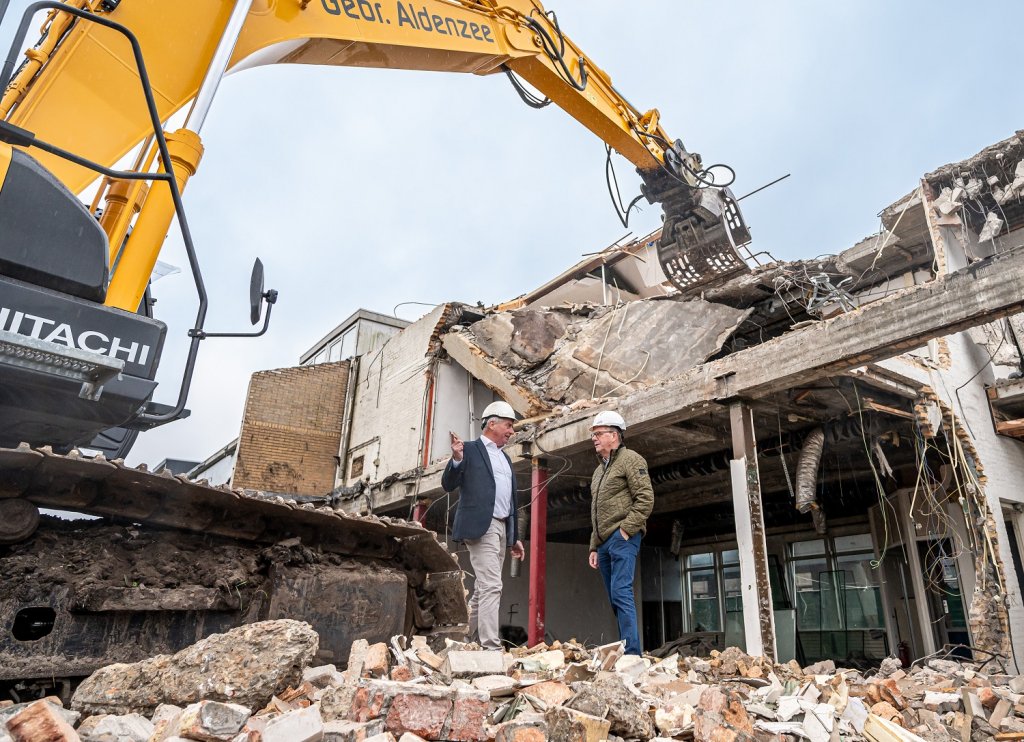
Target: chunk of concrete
[246, 665]
[301, 725]
[165, 722]
[631, 666]
[356, 657]
[721, 709]
[825, 667]
[212, 721]
[461, 663]
[109, 728]
[336, 702]
[568, 725]
[577, 671]
[323, 676]
[671, 719]
[351, 731]
[551, 692]
[543, 661]
[626, 717]
[496, 685]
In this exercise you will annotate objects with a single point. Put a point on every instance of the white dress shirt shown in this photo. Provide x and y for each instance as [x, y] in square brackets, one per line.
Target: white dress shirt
[502, 478]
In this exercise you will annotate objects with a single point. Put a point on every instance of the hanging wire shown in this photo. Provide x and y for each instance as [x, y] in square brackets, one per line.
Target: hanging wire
[615, 193]
[527, 96]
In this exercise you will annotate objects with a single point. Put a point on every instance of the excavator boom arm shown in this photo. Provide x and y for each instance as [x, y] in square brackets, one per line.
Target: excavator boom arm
[88, 69]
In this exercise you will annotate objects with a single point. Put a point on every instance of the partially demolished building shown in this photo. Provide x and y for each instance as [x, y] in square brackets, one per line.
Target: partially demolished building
[834, 456]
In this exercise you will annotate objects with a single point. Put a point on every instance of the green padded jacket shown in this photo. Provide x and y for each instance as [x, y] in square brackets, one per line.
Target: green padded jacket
[621, 496]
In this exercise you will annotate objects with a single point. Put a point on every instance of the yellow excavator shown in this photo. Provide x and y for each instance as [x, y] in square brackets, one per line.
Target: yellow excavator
[79, 347]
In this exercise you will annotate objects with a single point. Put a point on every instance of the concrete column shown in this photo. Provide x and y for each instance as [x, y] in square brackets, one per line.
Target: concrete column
[758, 616]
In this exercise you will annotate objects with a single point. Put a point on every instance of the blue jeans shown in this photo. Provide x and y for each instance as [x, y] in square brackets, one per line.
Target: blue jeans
[616, 558]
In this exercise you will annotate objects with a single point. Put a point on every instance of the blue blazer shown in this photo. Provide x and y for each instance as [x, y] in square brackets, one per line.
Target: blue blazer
[474, 478]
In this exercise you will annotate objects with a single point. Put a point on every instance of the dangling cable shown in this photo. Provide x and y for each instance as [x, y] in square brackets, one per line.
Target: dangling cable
[527, 97]
[613, 190]
[705, 176]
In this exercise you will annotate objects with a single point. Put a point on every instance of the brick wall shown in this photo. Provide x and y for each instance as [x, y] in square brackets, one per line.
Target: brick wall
[291, 429]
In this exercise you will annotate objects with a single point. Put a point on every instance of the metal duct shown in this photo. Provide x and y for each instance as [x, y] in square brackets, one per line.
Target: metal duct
[807, 477]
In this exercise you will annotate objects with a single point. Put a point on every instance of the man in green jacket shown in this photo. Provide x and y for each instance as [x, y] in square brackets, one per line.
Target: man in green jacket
[621, 501]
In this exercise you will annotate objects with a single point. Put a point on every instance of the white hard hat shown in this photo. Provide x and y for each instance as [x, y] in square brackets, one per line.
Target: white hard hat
[499, 409]
[609, 419]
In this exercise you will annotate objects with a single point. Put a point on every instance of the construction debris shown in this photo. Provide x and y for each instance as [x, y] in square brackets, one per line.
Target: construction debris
[728, 695]
[558, 356]
[245, 666]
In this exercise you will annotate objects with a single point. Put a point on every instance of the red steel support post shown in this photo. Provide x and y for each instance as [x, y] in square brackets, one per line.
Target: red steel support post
[419, 512]
[538, 550]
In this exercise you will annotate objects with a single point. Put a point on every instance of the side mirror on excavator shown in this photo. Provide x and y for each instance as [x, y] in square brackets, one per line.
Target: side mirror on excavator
[257, 294]
[256, 298]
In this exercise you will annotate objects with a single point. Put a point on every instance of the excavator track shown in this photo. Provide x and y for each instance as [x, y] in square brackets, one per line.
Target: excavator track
[170, 561]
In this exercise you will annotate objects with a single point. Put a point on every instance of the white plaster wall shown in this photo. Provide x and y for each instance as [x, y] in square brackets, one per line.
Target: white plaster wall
[390, 395]
[458, 401]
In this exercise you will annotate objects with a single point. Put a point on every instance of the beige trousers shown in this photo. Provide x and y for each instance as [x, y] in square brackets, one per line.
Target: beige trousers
[486, 556]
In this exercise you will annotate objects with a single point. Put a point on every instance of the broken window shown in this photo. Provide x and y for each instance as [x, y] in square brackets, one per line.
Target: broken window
[838, 599]
[705, 608]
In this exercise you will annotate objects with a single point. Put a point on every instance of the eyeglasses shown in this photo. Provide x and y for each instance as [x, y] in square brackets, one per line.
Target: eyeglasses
[599, 433]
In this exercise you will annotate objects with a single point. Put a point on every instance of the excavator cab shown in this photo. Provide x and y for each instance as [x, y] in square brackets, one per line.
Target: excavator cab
[70, 367]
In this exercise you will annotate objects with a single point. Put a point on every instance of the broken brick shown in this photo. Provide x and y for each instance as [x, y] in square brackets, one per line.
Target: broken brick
[375, 663]
[522, 731]
[401, 673]
[40, 721]
[469, 717]
[419, 714]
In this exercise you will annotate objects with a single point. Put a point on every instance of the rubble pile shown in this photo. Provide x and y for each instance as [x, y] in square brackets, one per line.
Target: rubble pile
[565, 354]
[255, 684]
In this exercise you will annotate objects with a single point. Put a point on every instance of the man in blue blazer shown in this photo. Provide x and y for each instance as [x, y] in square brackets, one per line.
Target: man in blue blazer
[485, 519]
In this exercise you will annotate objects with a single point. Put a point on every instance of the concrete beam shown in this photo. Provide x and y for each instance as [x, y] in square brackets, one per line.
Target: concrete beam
[482, 368]
[980, 293]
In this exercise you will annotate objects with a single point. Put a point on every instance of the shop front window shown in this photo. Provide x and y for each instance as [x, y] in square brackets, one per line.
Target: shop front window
[837, 598]
[705, 613]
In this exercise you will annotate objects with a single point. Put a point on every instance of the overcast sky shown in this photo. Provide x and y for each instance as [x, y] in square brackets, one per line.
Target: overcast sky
[369, 188]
